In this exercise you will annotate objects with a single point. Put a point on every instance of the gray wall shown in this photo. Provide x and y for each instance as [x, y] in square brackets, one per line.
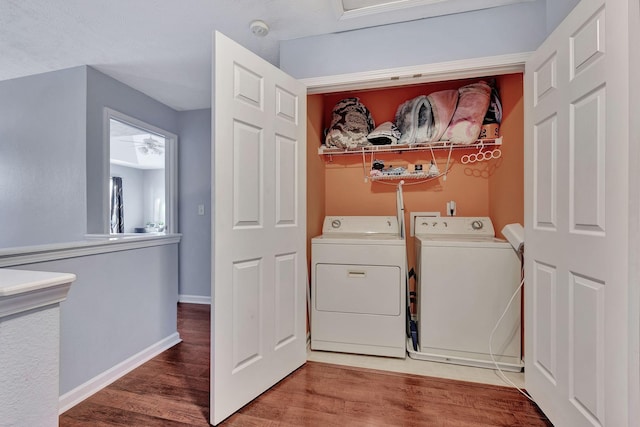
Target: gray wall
[42, 158]
[503, 30]
[195, 189]
[104, 91]
[557, 10]
[52, 153]
[509, 29]
[51, 160]
[154, 189]
[120, 304]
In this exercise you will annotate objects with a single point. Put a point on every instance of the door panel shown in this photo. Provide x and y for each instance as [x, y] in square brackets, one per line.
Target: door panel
[259, 268]
[587, 163]
[587, 346]
[544, 307]
[248, 188]
[247, 86]
[246, 313]
[587, 44]
[286, 194]
[286, 296]
[576, 218]
[545, 79]
[545, 154]
[286, 105]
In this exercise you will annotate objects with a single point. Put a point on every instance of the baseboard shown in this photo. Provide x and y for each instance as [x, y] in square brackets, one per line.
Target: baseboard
[97, 383]
[194, 299]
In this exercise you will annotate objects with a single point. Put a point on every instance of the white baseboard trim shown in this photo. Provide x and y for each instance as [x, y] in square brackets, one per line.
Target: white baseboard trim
[97, 383]
[194, 299]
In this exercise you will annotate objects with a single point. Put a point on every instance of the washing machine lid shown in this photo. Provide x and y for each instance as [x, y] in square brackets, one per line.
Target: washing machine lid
[463, 241]
[454, 227]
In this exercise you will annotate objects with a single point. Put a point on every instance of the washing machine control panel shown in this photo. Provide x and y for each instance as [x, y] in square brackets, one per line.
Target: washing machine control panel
[477, 224]
[454, 226]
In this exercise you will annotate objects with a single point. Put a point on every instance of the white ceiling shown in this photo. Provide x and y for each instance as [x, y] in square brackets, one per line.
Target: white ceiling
[163, 47]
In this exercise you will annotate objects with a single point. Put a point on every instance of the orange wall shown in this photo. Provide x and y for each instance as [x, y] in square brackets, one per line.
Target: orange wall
[506, 183]
[315, 171]
[337, 186]
[315, 174]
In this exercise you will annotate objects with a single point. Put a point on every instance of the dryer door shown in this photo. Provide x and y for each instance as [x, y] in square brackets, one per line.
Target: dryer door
[360, 289]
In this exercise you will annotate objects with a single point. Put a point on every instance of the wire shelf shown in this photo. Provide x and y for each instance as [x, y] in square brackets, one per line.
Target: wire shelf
[439, 145]
[407, 176]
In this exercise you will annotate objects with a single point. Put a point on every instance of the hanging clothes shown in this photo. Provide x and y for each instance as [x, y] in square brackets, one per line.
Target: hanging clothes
[117, 206]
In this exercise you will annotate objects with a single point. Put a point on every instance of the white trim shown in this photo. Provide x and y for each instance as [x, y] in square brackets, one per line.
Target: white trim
[510, 364]
[30, 300]
[21, 290]
[194, 299]
[415, 74]
[97, 383]
[106, 167]
[417, 9]
[171, 164]
[96, 244]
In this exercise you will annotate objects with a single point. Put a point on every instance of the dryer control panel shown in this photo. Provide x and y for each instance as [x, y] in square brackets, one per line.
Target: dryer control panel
[360, 225]
[454, 226]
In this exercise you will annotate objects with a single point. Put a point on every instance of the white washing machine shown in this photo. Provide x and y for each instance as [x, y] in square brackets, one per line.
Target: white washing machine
[358, 286]
[466, 278]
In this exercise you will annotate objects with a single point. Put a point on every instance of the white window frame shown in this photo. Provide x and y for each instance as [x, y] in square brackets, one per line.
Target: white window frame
[170, 166]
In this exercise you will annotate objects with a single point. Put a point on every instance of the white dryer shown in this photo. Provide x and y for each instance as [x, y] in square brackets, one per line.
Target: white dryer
[466, 278]
[358, 286]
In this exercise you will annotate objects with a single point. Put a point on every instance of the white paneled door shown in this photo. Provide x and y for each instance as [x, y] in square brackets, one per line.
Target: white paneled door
[576, 215]
[259, 269]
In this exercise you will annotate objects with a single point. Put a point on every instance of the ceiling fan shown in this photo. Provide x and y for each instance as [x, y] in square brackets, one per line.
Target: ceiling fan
[147, 146]
[150, 146]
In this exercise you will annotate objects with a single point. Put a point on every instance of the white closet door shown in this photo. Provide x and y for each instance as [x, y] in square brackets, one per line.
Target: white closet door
[576, 215]
[259, 269]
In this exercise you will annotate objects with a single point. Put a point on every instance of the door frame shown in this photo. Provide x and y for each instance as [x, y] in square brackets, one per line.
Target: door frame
[417, 74]
[510, 64]
[634, 216]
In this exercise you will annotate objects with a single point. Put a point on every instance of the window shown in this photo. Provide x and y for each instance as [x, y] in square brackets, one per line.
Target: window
[143, 170]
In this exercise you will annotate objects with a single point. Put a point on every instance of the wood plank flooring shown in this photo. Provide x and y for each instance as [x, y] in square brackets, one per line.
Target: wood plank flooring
[173, 390]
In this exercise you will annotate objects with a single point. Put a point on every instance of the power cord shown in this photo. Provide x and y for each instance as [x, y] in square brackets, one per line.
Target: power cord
[495, 328]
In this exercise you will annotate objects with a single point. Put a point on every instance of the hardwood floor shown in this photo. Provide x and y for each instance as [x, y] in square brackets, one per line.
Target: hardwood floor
[173, 390]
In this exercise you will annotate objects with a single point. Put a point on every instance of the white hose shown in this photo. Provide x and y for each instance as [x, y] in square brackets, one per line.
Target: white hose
[446, 169]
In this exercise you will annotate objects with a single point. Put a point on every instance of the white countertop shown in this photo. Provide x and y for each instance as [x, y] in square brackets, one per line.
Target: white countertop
[13, 282]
